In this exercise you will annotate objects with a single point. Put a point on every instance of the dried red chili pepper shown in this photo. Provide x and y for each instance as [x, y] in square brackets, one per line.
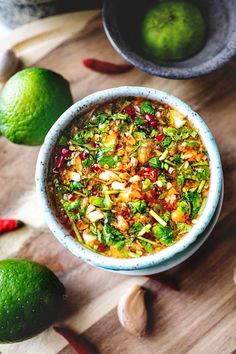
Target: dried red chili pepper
[167, 280]
[79, 343]
[7, 225]
[106, 67]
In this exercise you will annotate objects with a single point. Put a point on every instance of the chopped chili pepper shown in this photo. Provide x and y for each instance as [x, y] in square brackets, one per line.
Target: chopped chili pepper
[106, 67]
[96, 168]
[129, 110]
[72, 197]
[79, 343]
[7, 225]
[166, 280]
[151, 196]
[102, 247]
[151, 119]
[83, 155]
[149, 172]
[126, 212]
[160, 137]
[60, 157]
[65, 152]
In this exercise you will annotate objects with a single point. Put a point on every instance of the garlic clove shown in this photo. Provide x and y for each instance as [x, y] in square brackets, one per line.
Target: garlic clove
[132, 312]
[8, 64]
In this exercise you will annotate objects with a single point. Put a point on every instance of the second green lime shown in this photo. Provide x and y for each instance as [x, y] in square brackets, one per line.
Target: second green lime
[31, 101]
[173, 30]
[31, 297]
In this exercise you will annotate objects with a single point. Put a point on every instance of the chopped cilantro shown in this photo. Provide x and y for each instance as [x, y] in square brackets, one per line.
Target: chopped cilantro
[155, 162]
[138, 206]
[164, 234]
[146, 107]
[108, 160]
[136, 227]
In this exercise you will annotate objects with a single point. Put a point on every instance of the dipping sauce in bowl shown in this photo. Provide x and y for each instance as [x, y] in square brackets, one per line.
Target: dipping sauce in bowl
[130, 177]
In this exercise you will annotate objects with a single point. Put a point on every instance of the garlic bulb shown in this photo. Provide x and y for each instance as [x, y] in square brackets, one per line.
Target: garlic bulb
[8, 64]
[132, 311]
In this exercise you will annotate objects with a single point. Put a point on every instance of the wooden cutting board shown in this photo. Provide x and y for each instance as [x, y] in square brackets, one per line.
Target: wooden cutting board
[199, 319]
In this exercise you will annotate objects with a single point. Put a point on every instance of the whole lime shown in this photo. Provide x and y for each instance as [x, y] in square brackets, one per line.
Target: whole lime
[30, 102]
[30, 298]
[173, 30]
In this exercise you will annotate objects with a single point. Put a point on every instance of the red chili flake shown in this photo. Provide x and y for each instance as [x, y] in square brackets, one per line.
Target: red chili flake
[59, 161]
[125, 212]
[96, 168]
[79, 343]
[106, 67]
[65, 152]
[72, 197]
[60, 157]
[151, 119]
[118, 146]
[149, 172]
[7, 225]
[151, 196]
[149, 237]
[129, 110]
[167, 206]
[66, 221]
[93, 144]
[102, 248]
[167, 280]
[160, 137]
[83, 155]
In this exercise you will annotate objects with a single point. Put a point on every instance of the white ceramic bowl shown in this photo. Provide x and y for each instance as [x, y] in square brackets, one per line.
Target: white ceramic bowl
[168, 257]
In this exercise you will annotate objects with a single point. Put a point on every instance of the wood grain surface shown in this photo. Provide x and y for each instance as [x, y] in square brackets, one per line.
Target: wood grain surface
[199, 319]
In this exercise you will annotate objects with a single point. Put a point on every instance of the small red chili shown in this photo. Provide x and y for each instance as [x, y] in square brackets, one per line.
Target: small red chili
[106, 67]
[129, 110]
[102, 248]
[160, 137]
[79, 343]
[149, 237]
[96, 168]
[83, 155]
[60, 157]
[72, 197]
[7, 225]
[118, 146]
[149, 172]
[151, 119]
[125, 212]
[167, 206]
[65, 152]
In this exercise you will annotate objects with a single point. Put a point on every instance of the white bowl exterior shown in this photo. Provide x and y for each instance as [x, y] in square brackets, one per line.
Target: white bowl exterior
[155, 260]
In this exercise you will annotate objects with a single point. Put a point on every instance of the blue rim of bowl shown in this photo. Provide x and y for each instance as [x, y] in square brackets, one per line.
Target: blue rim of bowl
[150, 67]
[79, 108]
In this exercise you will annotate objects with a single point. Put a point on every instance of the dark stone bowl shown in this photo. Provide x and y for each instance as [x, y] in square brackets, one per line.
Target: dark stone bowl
[122, 25]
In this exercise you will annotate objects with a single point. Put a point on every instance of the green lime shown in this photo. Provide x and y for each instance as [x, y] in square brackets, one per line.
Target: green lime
[30, 298]
[31, 101]
[173, 30]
